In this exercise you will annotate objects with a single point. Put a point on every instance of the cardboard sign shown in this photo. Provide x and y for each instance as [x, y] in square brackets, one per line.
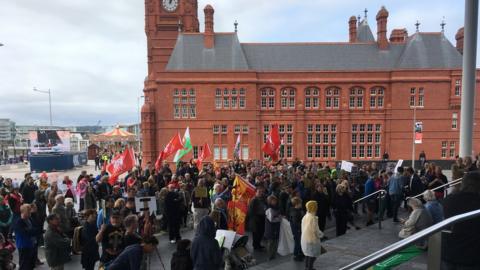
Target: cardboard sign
[346, 166]
[226, 238]
[146, 204]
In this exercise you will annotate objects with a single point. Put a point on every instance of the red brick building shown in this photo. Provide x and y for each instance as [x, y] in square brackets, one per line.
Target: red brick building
[349, 100]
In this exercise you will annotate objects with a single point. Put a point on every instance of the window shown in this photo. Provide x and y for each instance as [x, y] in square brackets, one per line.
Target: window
[267, 98]
[236, 129]
[224, 129]
[245, 129]
[376, 97]
[245, 152]
[230, 98]
[185, 106]
[323, 146]
[454, 120]
[288, 98]
[309, 151]
[195, 152]
[458, 87]
[332, 98]
[311, 98]
[286, 136]
[444, 149]
[224, 152]
[356, 98]
[417, 98]
[366, 140]
[216, 129]
[216, 152]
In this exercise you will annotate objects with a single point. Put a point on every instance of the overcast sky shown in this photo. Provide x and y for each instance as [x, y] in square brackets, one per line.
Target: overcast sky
[92, 54]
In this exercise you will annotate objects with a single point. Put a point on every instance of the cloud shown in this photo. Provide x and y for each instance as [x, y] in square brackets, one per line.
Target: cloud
[92, 54]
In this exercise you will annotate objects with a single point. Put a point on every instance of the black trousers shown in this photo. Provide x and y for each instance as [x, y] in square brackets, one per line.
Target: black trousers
[258, 231]
[322, 220]
[174, 228]
[26, 258]
[341, 223]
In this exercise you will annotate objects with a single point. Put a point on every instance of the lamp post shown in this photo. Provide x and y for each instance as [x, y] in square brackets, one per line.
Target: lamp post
[49, 92]
[413, 141]
[14, 135]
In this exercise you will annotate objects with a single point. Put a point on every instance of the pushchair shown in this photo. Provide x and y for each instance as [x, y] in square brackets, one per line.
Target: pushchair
[239, 257]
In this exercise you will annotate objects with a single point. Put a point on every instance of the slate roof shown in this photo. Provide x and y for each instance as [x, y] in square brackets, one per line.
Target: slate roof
[421, 50]
[364, 33]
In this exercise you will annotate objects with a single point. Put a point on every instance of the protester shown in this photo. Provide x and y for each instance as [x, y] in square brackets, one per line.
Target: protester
[295, 216]
[418, 220]
[6, 217]
[461, 246]
[343, 209]
[133, 257]
[311, 235]
[206, 253]
[181, 259]
[90, 254]
[434, 208]
[60, 210]
[24, 239]
[111, 237]
[57, 244]
[173, 214]
[201, 202]
[395, 191]
[272, 226]
[131, 236]
[256, 215]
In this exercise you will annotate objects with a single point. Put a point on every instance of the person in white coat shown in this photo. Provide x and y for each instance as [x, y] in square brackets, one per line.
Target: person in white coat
[311, 235]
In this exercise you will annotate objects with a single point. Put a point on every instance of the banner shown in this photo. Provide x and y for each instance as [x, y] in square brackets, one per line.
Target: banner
[146, 204]
[49, 141]
[120, 164]
[272, 145]
[173, 146]
[418, 132]
[242, 193]
[203, 155]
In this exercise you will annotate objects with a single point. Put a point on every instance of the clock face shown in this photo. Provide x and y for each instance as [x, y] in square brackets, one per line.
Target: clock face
[170, 5]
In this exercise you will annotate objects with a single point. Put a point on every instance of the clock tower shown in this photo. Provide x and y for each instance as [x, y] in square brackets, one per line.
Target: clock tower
[164, 19]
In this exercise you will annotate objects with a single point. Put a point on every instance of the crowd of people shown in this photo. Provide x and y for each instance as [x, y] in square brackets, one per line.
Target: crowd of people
[88, 212]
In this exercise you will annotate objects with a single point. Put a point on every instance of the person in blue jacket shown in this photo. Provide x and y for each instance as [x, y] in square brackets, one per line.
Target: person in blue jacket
[206, 253]
[132, 257]
[25, 234]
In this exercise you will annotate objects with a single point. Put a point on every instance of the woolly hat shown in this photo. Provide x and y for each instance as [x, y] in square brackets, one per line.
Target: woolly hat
[311, 207]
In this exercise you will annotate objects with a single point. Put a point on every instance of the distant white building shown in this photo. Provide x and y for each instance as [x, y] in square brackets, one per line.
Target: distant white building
[78, 143]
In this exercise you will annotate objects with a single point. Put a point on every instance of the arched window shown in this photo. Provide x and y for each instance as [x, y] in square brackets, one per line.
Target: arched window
[377, 97]
[312, 98]
[356, 97]
[288, 98]
[332, 98]
[267, 101]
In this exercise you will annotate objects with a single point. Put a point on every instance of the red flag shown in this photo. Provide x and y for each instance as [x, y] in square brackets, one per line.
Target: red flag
[204, 155]
[121, 163]
[272, 145]
[173, 146]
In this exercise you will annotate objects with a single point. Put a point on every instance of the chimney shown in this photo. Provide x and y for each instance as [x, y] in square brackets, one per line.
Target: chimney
[399, 36]
[382, 40]
[209, 35]
[459, 38]
[352, 29]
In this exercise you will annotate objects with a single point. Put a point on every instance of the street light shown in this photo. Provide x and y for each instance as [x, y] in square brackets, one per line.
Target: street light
[49, 92]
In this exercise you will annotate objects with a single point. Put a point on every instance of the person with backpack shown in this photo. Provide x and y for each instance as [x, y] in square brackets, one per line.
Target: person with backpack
[86, 242]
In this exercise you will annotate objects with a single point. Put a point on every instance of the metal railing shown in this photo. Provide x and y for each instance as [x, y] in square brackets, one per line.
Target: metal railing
[381, 194]
[434, 253]
[449, 184]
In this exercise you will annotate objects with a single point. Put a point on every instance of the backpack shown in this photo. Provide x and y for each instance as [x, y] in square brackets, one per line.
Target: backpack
[77, 240]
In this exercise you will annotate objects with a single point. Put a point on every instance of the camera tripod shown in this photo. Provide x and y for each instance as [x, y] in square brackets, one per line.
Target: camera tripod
[159, 257]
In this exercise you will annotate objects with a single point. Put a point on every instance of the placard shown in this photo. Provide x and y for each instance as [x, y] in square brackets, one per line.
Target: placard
[146, 204]
[346, 166]
[227, 237]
